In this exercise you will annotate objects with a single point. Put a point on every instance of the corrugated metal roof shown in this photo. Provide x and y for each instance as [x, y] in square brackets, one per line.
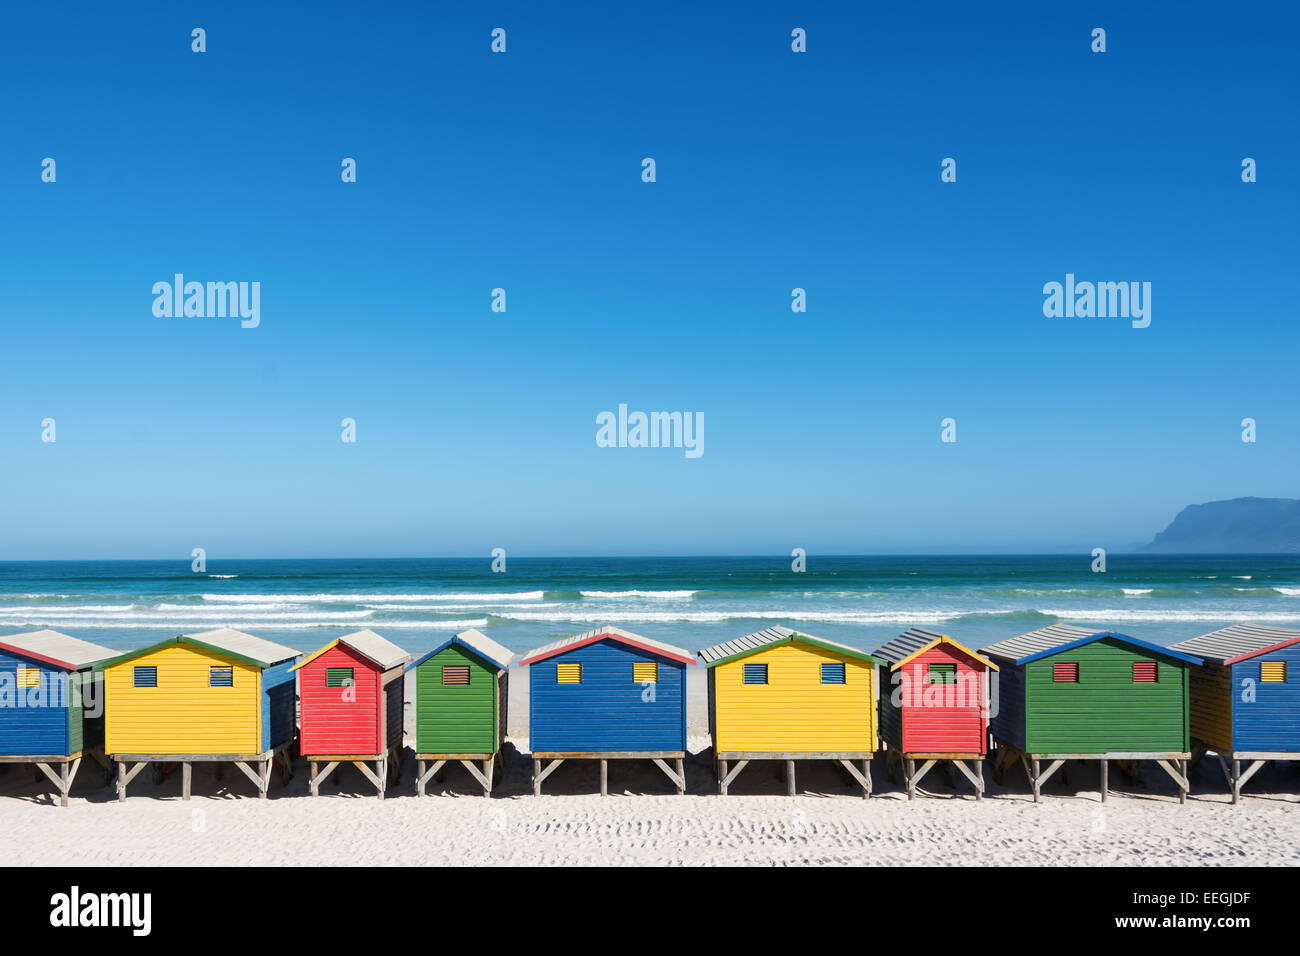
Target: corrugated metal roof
[1237, 640]
[1035, 642]
[908, 643]
[70, 652]
[379, 649]
[263, 651]
[1057, 637]
[618, 634]
[476, 641]
[486, 647]
[769, 635]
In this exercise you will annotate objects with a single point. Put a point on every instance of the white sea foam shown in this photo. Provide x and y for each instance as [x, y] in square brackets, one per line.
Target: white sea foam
[154, 624]
[1137, 592]
[223, 575]
[1289, 592]
[1153, 616]
[897, 616]
[356, 597]
[651, 595]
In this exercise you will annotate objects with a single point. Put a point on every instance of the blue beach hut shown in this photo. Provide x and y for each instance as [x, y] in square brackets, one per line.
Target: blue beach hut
[1245, 698]
[607, 694]
[50, 712]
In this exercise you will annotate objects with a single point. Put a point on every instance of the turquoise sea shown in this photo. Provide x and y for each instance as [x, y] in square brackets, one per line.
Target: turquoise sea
[691, 601]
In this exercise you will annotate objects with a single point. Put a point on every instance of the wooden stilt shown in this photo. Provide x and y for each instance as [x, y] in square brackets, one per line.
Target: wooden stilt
[722, 777]
[1105, 779]
[1036, 785]
[187, 769]
[789, 778]
[604, 777]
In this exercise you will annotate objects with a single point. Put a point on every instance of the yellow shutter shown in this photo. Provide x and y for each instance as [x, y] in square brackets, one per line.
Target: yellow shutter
[645, 672]
[29, 677]
[1272, 672]
[568, 673]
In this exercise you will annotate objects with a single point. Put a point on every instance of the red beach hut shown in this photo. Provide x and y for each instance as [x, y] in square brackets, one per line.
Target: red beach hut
[934, 705]
[350, 694]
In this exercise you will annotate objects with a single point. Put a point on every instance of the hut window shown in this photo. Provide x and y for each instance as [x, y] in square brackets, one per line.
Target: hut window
[457, 674]
[755, 673]
[832, 673]
[941, 673]
[1272, 672]
[1065, 672]
[221, 676]
[29, 677]
[146, 676]
[339, 677]
[568, 673]
[645, 672]
[1144, 672]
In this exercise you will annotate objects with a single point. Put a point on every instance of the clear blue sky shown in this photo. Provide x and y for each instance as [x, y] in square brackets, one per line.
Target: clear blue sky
[522, 171]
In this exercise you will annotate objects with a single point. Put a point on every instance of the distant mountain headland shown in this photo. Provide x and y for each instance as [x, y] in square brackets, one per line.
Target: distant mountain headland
[1236, 526]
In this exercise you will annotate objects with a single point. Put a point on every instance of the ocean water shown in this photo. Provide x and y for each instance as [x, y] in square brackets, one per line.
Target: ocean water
[691, 602]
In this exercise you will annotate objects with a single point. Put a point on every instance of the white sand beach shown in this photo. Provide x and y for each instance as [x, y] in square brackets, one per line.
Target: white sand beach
[643, 821]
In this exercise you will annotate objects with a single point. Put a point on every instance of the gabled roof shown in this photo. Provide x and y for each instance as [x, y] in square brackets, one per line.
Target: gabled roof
[380, 651]
[607, 633]
[769, 636]
[1239, 642]
[917, 640]
[224, 640]
[57, 650]
[479, 643]
[1056, 638]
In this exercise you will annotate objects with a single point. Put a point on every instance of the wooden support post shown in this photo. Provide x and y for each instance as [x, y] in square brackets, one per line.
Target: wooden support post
[1182, 784]
[681, 774]
[1236, 779]
[979, 772]
[789, 778]
[121, 781]
[1105, 779]
[604, 777]
[187, 769]
[68, 770]
[1036, 786]
[866, 774]
[909, 771]
[488, 767]
[722, 777]
[537, 778]
[419, 778]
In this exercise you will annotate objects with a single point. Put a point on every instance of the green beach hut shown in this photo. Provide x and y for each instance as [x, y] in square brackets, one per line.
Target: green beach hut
[461, 697]
[1076, 693]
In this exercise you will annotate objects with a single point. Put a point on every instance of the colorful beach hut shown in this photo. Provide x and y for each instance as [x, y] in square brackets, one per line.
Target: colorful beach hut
[934, 706]
[1074, 693]
[1245, 697]
[51, 705]
[461, 705]
[607, 695]
[216, 697]
[350, 696]
[778, 694]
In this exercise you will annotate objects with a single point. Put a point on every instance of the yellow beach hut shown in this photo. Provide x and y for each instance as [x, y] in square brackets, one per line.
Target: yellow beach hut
[216, 697]
[780, 694]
